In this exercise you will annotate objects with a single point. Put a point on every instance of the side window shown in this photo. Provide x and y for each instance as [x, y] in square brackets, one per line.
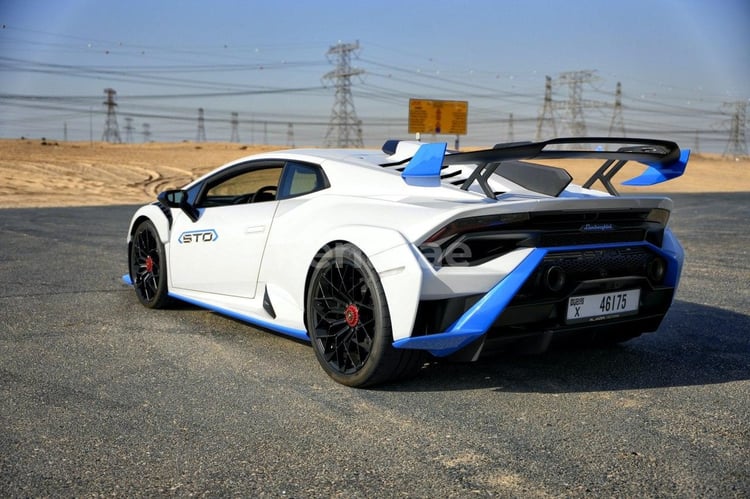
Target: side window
[301, 178]
[258, 184]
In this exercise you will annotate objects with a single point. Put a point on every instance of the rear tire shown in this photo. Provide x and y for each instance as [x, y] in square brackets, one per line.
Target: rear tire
[349, 322]
[148, 266]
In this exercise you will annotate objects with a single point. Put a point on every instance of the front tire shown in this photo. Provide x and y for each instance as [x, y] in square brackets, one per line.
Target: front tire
[148, 267]
[349, 322]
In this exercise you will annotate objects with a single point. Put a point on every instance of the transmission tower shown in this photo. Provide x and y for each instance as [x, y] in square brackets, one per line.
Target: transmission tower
[737, 146]
[511, 135]
[235, 121]
[290, 135]
[146, 132]
[547, 117]
[344, 129]
[129, 130]
[201, 136]
[111, 130]
[617, 125]
[575, 103]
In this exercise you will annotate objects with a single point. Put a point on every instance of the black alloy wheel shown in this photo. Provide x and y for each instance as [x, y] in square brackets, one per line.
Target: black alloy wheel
[148, 269]
[349, 322]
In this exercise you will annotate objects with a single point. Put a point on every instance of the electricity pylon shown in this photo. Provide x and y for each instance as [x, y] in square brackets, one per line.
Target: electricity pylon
[547, 117]
[111, 130]
[617, 125]
[201, 136]
[737, 145]
[235, 122]
[344, 129]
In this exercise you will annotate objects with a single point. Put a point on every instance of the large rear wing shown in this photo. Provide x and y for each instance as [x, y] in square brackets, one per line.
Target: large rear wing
[663, 159]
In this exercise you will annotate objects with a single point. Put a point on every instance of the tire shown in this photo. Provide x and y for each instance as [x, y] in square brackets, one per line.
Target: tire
[349, 323]
[148, 266]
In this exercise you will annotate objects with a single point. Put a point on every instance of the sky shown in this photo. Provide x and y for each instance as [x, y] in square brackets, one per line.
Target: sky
[683, 67]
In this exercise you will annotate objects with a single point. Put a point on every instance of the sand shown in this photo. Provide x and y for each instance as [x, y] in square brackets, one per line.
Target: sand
[36, 173]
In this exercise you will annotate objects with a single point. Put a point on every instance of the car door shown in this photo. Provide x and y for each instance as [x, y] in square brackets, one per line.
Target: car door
[221, 252]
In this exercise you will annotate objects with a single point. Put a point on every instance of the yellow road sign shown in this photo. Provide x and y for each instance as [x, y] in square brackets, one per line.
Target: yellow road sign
[438, 116]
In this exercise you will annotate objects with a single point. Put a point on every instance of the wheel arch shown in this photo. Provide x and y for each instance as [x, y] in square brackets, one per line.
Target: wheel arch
[393, 258]
[154, 215]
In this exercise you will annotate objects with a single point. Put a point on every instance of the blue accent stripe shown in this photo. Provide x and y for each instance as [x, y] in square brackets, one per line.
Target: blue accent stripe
[475, 322]
[294, 333]
[127, 280]
[424, 168]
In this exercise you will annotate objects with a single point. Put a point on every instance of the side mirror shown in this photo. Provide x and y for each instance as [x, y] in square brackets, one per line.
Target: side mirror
[172, 198]
[177, 198]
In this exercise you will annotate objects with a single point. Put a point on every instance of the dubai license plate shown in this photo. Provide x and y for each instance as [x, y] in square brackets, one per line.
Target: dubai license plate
[602, 306]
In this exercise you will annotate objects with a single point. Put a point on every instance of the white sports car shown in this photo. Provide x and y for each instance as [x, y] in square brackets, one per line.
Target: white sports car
[378, 257]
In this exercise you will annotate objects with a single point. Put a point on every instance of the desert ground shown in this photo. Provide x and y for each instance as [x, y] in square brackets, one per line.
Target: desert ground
[39, 173]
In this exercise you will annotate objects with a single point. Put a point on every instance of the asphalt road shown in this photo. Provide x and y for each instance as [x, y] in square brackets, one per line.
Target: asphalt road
[99, 396]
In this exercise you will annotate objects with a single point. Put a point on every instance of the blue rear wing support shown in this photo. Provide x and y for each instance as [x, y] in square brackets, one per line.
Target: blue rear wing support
[424, 167]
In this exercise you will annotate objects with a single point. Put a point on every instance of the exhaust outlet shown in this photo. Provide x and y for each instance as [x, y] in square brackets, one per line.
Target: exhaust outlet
[655, 270]
[554, 279]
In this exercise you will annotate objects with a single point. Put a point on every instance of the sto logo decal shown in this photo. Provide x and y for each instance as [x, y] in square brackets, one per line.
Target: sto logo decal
[198, 236]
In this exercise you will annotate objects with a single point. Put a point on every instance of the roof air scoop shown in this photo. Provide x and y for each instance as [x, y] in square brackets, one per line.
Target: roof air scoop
[400, 150]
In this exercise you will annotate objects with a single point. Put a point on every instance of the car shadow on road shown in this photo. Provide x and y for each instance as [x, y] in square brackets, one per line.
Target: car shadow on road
[696, 345]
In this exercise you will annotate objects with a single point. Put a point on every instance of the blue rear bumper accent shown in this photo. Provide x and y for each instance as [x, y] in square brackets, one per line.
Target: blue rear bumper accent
[475, 322]
[478, 319]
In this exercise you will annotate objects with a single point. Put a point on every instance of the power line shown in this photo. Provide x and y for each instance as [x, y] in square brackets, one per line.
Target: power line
[673, 114]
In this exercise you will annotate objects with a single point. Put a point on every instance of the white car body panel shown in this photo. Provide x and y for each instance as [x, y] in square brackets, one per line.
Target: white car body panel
[239, 236]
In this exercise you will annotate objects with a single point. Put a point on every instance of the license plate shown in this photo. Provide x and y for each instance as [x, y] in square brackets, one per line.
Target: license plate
[603, 306]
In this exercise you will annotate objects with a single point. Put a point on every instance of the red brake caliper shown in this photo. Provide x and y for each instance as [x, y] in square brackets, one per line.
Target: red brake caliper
[351, 314]
[149, 264]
